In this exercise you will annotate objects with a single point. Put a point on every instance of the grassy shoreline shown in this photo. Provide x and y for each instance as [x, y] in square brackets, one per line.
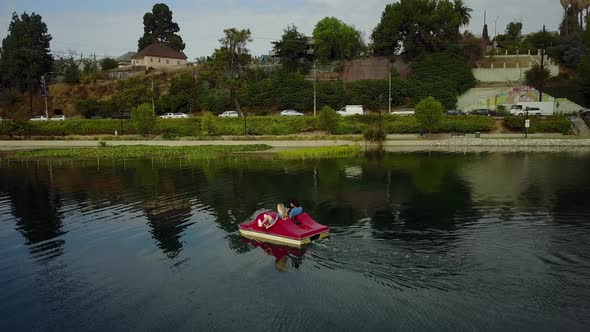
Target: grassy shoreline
[135, 151]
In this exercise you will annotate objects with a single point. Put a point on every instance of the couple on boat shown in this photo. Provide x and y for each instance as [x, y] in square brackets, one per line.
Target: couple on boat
[283, 213]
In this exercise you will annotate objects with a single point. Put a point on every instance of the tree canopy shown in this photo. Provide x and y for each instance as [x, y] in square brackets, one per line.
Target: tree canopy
[229, 62]
[108, 64]
[429, 113]
[419, 26]
[336, 40]
[24, 56]
[159, 27]
[293, 50]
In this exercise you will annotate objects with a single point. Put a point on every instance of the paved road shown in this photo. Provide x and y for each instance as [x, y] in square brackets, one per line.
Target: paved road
[469, 141]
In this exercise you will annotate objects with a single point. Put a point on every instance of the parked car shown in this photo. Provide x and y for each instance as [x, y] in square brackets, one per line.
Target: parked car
[454, 112]
[483, 111]
[167, 116]
[532, 111]
[291, 113]
[180, 116]
[229, 114]
[39, 118]
[351, 110]
[96, 117]
[404, 112]
[59, 118]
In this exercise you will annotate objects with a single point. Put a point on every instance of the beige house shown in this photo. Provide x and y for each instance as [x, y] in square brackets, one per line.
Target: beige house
[158, 56]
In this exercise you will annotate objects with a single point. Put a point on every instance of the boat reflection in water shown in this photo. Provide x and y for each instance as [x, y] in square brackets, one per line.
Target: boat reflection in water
[281, 254]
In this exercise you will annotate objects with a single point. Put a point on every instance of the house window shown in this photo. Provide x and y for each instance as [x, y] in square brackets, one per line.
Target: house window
[159, 60]
[167, 62]
[177, 62]
[152, 59]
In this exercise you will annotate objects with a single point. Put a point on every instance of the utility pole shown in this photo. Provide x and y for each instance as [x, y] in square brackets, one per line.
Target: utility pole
[45, 91]
[153, 97]
[194, 103]
[542, 67]
[389, 90]
[315, 80]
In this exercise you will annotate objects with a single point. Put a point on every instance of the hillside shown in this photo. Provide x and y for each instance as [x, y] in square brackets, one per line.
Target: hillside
[64, 97]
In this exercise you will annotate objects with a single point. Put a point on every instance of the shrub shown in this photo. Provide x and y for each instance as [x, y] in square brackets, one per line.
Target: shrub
[429, 113]
[207, 124]
[16, 128]
[72, 74]
[216, 101]
[551, 124]
[328, 119]
[374, 134]
[88, 107]
[144, 118]
[535, 76]
[108, 64]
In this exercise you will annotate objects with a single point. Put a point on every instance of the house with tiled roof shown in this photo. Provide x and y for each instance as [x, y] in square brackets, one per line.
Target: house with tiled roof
[157, 56]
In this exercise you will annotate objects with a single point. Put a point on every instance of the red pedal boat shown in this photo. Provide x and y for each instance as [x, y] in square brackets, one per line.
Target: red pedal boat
[285, 232]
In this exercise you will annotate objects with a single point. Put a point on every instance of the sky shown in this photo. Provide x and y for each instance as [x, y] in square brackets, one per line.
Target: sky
[112, 28]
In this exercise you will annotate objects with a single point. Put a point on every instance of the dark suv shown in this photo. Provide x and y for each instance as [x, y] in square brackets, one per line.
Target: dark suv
[484, 111]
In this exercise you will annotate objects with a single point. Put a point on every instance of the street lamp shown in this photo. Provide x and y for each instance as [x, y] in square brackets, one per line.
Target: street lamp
[45, 92]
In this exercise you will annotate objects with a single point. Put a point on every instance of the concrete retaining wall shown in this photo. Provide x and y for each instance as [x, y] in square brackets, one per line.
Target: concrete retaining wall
[506, 74]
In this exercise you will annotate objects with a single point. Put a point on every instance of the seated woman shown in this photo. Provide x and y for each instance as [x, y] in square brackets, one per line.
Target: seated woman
[284, 214]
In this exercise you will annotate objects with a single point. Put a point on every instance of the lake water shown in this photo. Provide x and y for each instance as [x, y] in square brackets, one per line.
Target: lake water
[419, 241]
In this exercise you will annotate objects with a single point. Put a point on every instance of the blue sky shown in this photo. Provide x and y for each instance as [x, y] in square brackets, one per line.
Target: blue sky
[108, 27]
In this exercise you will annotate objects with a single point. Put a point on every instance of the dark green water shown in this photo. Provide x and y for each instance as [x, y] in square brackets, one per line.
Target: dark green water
[456, 242]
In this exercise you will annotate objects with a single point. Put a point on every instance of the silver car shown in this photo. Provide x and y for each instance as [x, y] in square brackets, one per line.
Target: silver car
[291, 113]
[229, 114]
[59, 118]
[39, 118]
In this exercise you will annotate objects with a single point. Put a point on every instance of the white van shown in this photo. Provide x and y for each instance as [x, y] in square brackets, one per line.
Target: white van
[351, 110]
[534, 109]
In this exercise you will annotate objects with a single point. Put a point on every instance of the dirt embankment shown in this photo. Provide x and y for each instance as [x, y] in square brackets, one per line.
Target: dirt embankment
[63, 97]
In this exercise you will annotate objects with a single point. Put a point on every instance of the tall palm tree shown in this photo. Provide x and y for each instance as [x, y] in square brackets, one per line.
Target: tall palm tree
[463, 12]
[565, 4]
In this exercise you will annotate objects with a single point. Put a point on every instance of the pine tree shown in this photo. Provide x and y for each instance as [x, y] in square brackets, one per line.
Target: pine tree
[25, 56]
[159, 27]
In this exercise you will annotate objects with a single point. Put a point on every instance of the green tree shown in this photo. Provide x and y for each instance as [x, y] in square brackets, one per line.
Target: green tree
[131, 92]
[72, 73]
[512, 38]
[583, 77]
[335, 40]
[158, 26]
[293, 50]
[108, 64]
[418, 26]
[429, 113]
[328, 119]
[535, 76]
[24, 56]
[230, 61]
[180, 97]
[144, 118]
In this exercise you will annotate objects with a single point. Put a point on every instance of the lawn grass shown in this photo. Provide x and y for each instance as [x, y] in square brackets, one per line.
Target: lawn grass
[137, 151]
[329, 152]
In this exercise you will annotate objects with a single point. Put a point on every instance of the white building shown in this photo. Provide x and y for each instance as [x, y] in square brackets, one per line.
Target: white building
[159, 55]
